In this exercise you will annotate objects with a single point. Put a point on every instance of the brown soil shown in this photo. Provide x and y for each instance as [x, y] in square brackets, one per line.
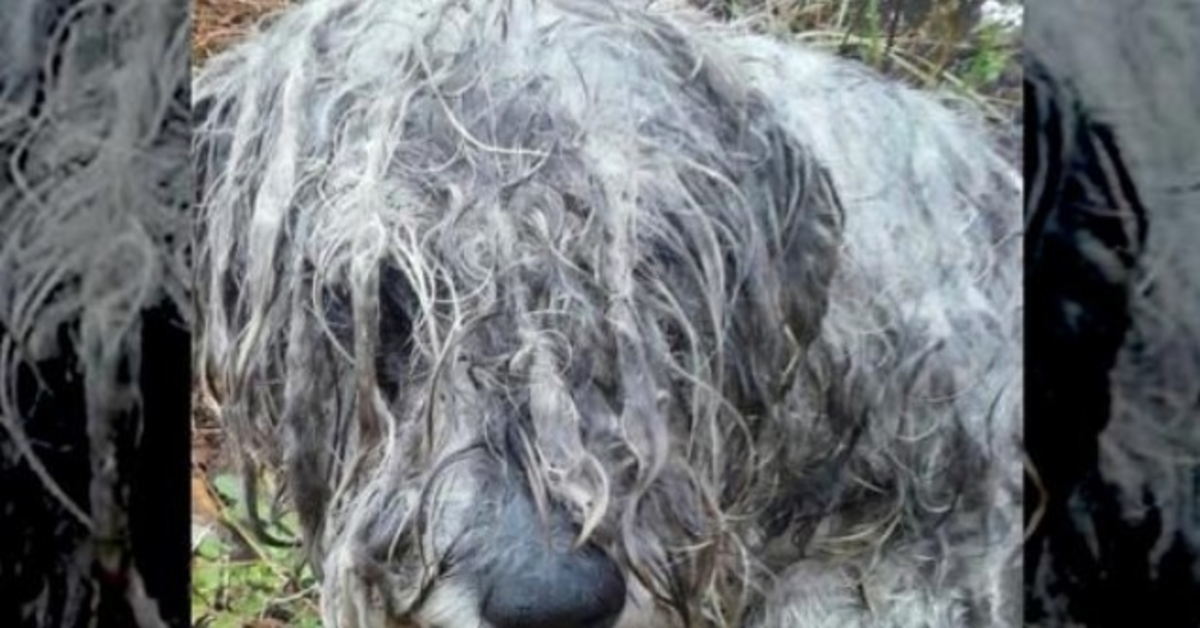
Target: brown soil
[207, 459]
[218, 23]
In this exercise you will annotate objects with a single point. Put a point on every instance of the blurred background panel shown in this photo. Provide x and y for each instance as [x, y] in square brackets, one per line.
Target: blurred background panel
[1113, 313]
[95, 192]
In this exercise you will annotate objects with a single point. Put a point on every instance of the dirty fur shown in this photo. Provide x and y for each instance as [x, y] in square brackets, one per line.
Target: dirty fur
[747, 313]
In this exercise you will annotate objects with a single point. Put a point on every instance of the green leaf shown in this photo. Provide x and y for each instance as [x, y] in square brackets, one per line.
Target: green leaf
[229, 486]
[211, 548]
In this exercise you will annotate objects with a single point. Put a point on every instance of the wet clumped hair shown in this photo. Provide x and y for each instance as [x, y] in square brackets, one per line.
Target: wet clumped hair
[745, 315]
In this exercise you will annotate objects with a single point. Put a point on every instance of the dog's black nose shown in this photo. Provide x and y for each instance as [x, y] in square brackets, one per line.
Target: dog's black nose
[538, 579]
[557, 589]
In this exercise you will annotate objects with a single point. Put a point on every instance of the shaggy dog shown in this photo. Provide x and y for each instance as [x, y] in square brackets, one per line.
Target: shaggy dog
[1113, 302]
[579, 313]
[94, 188]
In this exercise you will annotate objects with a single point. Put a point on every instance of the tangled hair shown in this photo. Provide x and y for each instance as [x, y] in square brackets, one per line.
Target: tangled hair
[1114, 314]
[92, 272]
[745, 315]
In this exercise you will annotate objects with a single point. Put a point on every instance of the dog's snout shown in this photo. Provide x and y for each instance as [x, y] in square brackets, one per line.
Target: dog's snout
[540, 579]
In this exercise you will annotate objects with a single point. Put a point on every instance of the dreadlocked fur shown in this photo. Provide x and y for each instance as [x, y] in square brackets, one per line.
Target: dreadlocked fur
[745, 316]
[1113, 314]
[93, 188]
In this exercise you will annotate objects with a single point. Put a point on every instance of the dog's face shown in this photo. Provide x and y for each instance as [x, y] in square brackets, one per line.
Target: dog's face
[577, 323]
[533, 315]
[575, 374]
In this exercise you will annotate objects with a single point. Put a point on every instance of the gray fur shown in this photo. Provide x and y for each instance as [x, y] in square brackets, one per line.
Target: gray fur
[748, 314]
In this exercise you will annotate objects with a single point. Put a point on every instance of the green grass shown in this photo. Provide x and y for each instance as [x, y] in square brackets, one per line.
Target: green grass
[238, 581]
[986, 63]
[933, 51]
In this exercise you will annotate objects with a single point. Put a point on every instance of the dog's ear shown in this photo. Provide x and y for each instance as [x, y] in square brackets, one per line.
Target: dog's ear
[802, 217]
[810, 218]
[780, 265]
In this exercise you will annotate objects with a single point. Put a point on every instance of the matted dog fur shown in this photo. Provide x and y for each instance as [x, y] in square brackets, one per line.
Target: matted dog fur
[736, 321]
